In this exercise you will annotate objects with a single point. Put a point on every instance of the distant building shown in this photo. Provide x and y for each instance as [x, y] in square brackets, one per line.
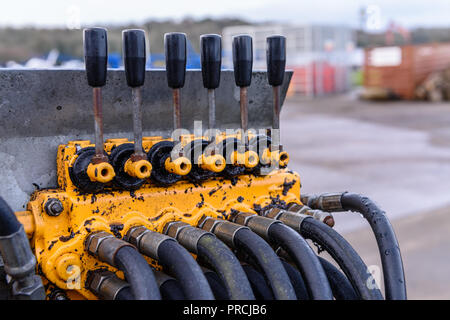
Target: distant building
[321, 56]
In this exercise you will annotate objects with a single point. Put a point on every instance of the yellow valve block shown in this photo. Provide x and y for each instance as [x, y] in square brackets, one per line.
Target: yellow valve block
[58, 240]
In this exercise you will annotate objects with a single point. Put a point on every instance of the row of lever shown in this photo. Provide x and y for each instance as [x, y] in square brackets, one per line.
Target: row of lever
[166, 162]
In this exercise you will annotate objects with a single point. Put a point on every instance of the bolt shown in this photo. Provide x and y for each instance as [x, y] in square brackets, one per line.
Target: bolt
[54, 207]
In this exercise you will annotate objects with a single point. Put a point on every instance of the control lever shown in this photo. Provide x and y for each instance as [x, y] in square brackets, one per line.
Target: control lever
[276, 64]
[243, 66]
[96, 59]
[211, 61]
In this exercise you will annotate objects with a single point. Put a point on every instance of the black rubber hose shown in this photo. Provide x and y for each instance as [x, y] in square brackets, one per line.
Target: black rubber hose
[171, 290]
[124, 294]
[266, 259]
[217, 287]
[344, 254]
[297, 281]
[8, 220]
[341, 287]
[391, 259]
[259, 285]
[227, 266]
[137, 273]
[304, 258]
[178, 262]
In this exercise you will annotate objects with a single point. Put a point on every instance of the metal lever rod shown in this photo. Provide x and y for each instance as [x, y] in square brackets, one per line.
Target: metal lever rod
[96, 59]
[175, 50]
[134, 55]
[243, 65]
[211, 60]
[276, 64]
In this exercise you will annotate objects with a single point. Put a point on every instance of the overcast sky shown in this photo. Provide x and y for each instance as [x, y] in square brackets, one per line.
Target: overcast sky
[409, 13]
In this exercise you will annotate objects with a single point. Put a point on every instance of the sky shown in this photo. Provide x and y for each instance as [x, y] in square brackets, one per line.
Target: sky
[76, 13]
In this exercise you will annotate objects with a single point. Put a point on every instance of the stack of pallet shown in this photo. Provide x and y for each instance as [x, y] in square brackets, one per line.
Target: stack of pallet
[436, 87]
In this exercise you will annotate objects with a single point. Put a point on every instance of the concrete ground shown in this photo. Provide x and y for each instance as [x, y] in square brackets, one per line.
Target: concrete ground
[398, 154]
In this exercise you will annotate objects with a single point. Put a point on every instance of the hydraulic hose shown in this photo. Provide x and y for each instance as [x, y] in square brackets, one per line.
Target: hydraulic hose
[259, 285]
[171, 290]
[341, 287]
[8, 221]
[125, 294]
[177, 261]
[220, 293]
[344, 254]
[391, 259]
[297, 281]
[264, 256]
[227, 266]
[304, 258]
[18, 258]
[138, 274]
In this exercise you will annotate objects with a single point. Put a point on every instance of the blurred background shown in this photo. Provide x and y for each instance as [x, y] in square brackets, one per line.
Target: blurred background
[367, 110]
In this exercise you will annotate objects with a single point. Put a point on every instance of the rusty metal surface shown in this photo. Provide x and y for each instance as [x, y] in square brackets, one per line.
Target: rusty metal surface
[40, 109]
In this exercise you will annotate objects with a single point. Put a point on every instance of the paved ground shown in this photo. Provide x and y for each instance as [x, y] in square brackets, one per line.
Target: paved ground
[397, 153]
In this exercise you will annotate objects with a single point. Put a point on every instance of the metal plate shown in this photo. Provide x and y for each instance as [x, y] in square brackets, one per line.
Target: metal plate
[40, 109]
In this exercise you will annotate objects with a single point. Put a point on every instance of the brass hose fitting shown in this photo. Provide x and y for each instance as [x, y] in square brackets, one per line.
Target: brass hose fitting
[180, 166]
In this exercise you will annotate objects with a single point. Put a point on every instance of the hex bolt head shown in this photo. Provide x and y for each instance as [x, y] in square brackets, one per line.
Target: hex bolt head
[54, 207]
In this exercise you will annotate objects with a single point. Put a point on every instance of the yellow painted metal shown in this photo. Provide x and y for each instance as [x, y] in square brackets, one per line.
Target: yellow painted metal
[248, 159]
[58, 241]
[140, 169]
[275, 157]
[100, 172]
[181, 165]
[215, 163]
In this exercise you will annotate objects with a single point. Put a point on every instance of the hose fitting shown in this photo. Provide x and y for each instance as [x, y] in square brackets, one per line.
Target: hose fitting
[319, 215]
[18, 259]
[293, 220]
[147, 241]
[105, 284]
[187, 235]
[259, 225]
[248, 159]
[224, 230]
[104, 246]
[329, 202]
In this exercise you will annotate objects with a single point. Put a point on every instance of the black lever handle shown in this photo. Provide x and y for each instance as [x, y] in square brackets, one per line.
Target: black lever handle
[243, 60]
[96, 55]
[175, 47]
[211, 57]
[134, 56]
[276, 60]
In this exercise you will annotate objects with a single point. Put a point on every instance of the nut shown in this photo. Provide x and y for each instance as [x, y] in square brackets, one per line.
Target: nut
[94, 239]
[96, 279]
[53, 207]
